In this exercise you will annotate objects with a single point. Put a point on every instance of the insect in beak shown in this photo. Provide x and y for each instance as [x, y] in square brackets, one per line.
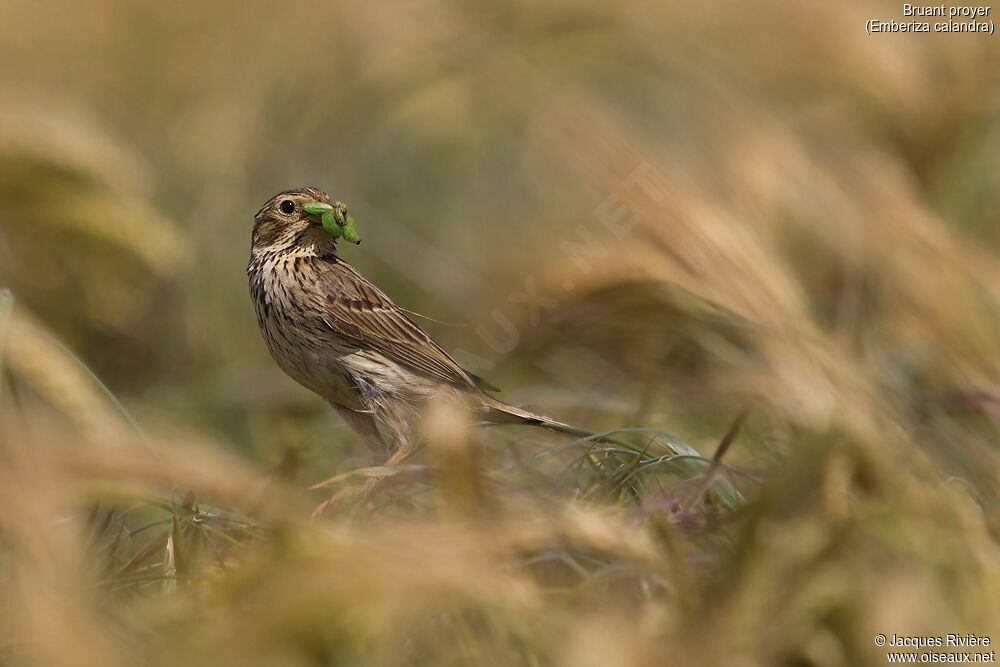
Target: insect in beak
[336, 220]
[316, 207]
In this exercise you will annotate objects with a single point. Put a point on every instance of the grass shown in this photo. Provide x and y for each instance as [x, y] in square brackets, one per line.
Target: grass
[500, 547]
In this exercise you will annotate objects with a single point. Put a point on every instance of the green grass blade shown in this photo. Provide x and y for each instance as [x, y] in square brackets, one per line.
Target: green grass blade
[97, 381]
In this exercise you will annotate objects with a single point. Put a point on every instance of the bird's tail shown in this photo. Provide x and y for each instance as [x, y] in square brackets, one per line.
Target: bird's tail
[498, 412]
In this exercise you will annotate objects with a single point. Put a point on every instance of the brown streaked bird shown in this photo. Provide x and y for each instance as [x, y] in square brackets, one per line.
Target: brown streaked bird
[338, 335]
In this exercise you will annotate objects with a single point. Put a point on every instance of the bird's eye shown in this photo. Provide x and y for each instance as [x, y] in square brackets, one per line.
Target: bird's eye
[287, 206]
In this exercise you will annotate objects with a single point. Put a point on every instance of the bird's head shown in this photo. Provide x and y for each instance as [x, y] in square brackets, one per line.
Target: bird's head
[303, 218]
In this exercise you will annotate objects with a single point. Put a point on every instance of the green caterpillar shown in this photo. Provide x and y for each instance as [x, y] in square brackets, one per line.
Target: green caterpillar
[336, 220]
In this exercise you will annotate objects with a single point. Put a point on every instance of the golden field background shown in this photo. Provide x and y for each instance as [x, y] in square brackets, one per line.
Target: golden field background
[722, 206]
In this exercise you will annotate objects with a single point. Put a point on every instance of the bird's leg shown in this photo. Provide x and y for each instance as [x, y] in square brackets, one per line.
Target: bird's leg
[365, 426]
[405, 445]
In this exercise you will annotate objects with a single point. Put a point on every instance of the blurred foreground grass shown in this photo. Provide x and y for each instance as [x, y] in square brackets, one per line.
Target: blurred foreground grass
[637, 216]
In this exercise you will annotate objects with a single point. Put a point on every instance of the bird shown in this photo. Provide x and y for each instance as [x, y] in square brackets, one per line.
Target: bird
[334, 332]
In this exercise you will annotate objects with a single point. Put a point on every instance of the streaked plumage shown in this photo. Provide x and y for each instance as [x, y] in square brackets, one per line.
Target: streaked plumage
[338, 335]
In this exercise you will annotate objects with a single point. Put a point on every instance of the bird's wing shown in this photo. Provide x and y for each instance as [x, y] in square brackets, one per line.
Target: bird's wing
[358, 311]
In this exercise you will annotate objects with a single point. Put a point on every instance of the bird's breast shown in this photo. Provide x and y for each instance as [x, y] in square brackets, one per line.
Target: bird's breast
[312, 353]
